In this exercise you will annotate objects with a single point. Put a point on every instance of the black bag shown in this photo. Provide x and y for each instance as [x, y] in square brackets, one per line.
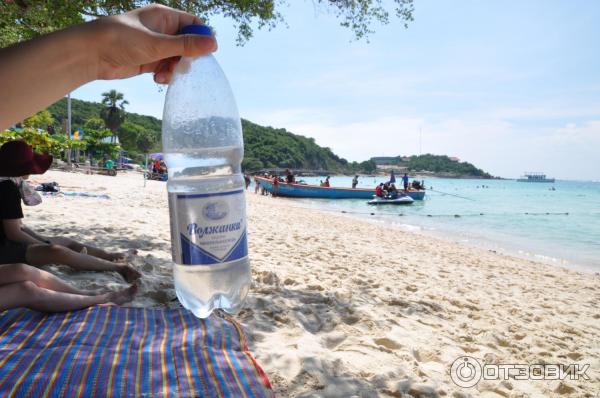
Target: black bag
[48, 187]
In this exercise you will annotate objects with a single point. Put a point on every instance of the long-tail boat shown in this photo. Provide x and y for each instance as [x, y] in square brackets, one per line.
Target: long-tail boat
[295, 190]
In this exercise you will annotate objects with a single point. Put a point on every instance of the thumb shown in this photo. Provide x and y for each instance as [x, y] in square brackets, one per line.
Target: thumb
[190, 45]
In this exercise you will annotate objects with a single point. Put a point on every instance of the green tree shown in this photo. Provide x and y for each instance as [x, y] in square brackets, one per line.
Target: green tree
[436, 164]
[114, 112]
[94, 134]
[145, 141]
[41, 141]
[40, 120]
[20, 19]
[129, 133]
[368, 166]
[94, 123]
[251, 164]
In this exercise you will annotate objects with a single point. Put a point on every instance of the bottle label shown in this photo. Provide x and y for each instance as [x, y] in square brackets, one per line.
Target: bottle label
[208, 229]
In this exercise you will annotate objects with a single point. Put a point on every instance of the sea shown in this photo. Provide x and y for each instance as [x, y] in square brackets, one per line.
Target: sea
[556, 223]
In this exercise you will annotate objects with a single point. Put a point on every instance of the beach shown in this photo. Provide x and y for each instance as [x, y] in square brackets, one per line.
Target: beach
[342, 307]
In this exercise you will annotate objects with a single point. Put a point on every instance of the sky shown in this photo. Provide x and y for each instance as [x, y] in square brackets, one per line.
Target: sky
[510, 86]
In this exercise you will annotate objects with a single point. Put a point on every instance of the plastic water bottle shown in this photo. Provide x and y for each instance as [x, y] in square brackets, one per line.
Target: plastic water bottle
[203, 148]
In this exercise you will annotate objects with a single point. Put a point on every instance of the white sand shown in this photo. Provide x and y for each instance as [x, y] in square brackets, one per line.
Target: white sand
[336, 311]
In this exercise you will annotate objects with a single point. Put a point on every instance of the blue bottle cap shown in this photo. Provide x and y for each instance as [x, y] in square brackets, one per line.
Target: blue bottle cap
[203, 30]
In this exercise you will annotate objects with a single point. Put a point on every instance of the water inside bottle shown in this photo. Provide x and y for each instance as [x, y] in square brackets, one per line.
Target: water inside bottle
[212, 172]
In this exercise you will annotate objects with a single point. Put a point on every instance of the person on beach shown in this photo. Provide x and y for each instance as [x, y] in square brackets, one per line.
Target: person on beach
[405, 181]
[19, 244]
[256, 185]
[326, 182]
[247, 180]
[22, 285]
[162, 168]
[379, 190]
[275, 186]
[263, 191]
[355, 181]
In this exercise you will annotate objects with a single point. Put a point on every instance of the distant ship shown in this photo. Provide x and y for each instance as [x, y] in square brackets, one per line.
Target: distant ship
[535, 177]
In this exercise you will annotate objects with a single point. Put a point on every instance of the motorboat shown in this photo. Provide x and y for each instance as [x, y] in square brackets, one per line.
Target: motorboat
[400, 200]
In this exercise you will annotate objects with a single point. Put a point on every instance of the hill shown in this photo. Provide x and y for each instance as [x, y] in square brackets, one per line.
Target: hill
[265, 147]
[81, 111]
[268, 147]
[440, 165]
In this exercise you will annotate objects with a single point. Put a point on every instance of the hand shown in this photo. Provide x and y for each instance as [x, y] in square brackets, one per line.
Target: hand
[143, 40]
[36, 73]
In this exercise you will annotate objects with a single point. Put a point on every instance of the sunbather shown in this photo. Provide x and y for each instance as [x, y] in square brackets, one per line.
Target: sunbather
[24, 286]
[18, 246]
[79, 247]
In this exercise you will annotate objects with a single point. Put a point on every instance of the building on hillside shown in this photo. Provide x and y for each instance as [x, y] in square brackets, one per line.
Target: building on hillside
[454, 158]
[384, 160]
[390, 167]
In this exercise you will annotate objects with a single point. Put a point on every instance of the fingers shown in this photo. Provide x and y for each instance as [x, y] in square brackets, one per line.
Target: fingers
[157, 47]
[166, 22]
[151, 67]
[162, 19]
[184, 19]
[164, 70]
[183, 45]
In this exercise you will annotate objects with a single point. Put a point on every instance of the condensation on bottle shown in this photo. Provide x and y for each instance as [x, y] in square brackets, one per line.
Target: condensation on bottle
[203, 149]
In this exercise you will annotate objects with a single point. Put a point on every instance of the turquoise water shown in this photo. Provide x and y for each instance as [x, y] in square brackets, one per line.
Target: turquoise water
[523, 219]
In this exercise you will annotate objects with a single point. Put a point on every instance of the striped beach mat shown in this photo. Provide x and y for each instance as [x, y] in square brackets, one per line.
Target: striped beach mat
[110, 351]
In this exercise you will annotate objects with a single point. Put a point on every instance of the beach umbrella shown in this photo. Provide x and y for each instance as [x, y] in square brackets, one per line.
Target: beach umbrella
[392, 177]
[156, 156]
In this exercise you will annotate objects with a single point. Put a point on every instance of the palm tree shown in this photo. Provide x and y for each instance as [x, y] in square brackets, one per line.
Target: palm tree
[114, 112]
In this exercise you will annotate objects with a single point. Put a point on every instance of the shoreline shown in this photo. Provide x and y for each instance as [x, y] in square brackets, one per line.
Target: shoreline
[340, 307]
[460, 237]
[495, 246]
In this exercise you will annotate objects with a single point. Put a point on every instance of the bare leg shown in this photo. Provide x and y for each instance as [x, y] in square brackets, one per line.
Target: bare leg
[13, 273]
[28, 294]
[91, 250]
[56, 254]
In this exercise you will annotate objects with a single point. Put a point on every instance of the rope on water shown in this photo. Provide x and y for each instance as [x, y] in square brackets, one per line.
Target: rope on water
[452, 215]
[370, 213]
[451, 194]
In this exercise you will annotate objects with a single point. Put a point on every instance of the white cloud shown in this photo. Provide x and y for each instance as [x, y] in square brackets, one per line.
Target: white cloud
[493, 144]
[588, 133]
[553, 111]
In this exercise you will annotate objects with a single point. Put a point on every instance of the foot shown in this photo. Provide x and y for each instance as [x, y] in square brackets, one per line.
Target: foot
[119, 257]
[129, 273]
[123, 296]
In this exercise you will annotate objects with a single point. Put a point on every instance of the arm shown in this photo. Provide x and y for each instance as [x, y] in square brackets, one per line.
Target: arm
[38, 72]
[13, 232]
